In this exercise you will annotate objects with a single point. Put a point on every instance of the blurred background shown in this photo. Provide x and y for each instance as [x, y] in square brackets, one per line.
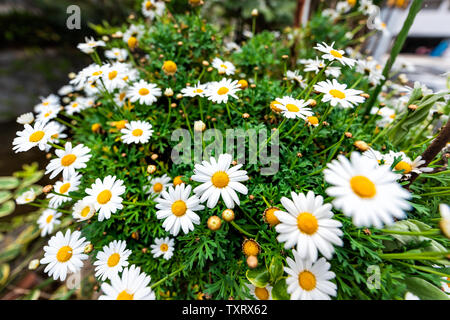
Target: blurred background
[38, 52]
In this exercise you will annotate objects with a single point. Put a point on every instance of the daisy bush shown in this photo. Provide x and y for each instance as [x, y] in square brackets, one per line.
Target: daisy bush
[348, 210]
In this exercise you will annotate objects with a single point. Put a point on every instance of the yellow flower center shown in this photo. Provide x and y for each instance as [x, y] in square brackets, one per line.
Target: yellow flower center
[112, 74]
[307, 280]
[36, 136]
[292, 107]
[307, 223]
[49, 218]
[337, 94]
[262, 293]
[157, 187]
[250, 248]
[363, 187]
[243, 83]
[132, 42]
[403, 165]
[179, 208]
[97, 73]
[122, 96]
[148, 5]
[144, 91]
[47, 114]
[124, 295]
[64, 254]
[313, 120]
[336, 54]
[68, 159]
[85, 211]
[104, 196]
[137, 132]
[64, 188]
[113, 260]
[164, 247]
[198, 90]
[223, 66]
[220, 179]
[392, 116]
[169, 67]
[74, 105]
[270, 216]
[222, 91]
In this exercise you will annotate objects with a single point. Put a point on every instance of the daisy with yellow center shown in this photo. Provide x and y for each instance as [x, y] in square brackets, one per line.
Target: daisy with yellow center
[365, 191]
[48, 220]
[105, 196]
[76, 106]
[83, 211]
[224, 67]
[219, 180]
[153, 8]
[64, 187]
[332, 54]
[117, 54]
[220, 91]
[90, 44]
[32, 136]
[158, 185]
[163, 247]
[64, 254]
[48, 113]
[387, 114]
[260, 293]
[309, 280]
[169, 67]
[309, 225]
[177, 207]
[143, 92]
[197, 90]
[26, 197]
[111, 260]
[406, 166]
[68, 160]
[136, 132]
[131, 285]
[115, 76]
[336, 93]
[292, 108]
[46, 102]
[135, 32]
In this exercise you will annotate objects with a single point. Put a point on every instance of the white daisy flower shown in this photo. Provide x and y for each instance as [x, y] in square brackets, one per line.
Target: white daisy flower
[365, 191]
[65, 90]
[105, 196]
[315, 65]
[444, 223]
[76, 106]
[26, 197]
[372, 69]
[30, 137]
[292, 108]
[51, 100]
[260, 293]
[48, 114]
[157, 185]
[136, 132]
[144, 92]
[83, 211]
[152, 8]
[25, 118]
[387, 116]
[64, 187]
[111, 260]
[163, 247]
[376, 156]
[308, 280]
[224, 67]
[406, 164]
[220, 91]
[68, 160]
[197, 90]
[296, 76]
[219, 180]
[90, 44]
[48, 220]
[64, 254]
[59, 133]
[177, 208]
[117, 54]
[332, 54]
[131, 285]
[136, 31]
[343, 7]
[336, 93]
[309, 225]
[115, 76]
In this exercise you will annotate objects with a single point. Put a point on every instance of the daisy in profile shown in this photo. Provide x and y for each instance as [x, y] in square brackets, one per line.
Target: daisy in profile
[365, 191]
[117, 54]
[83, 211]
[48, 220]
[163, 247]
[26, 197]
[33, 136]
[158, 184]
[58, 134]
[106, 196]
[308, 280]
[309, 225]
[332, 54]
[177, 207]
[371, 68]
[388, 116]
[143, 92]
[64, 187]
[64, 254]
[90, 45]
[336, 93]
[224, 67]
[260, 293]
[220, 91]
[292, 108]
[315, 65]
[68, 160]
[219, 180]
[406, 166]
[25, 118]
[136, 132]
[376, 156]
[197, 90]
[296, 76]
[111, 260]
[131, 285]
[153, 8]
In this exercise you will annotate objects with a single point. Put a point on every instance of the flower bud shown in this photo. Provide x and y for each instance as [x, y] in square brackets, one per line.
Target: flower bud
[214, 223]
[228, 215]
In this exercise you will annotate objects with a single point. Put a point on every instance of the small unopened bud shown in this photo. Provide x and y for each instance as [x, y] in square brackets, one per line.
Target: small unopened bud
[154, 156]
[255, 12]
[299, 154]
[361, 145]
[177, 180]
[179, 96]
[151, 169]
[365, 95]
[88, 248]
[251, 197]
[205, 63]
[105, 38]
[312, 102]
[199, 126]
[34, 264]
[214, 223]
[48, 188]
[72, 75]
[245, 115]
[284, 56]
[348, 134]
[173, 105]
[180, 43]
[243, 83]
[228, 215]
[413, 107]
[144, 250]
[209, 69]
[252, 262]
[168, 92]
[96, 127]
[135, 235]
[253, 86]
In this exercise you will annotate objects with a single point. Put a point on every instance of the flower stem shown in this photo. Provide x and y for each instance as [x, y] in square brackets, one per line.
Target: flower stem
[241, 230]
[167, 277]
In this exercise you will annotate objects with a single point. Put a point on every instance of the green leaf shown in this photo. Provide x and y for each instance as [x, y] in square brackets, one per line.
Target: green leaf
[279, 290]
[32, 178]
[425, 290]
[4, 273]
[258, 277]
[8, 183]
[5, 195]
[7, 208]
[275, 269]
[10, 253]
